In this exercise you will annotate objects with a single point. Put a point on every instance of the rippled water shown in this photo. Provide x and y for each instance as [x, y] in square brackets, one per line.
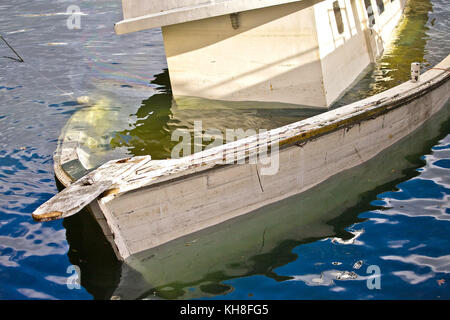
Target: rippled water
[393, 212]
[37, 98]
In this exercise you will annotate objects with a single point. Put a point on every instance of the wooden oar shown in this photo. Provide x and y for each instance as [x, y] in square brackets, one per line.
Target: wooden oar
[88, 188]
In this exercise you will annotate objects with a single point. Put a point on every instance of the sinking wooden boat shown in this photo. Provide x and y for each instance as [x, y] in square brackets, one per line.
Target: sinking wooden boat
[296, 52]
[202, 263]
[142, 203]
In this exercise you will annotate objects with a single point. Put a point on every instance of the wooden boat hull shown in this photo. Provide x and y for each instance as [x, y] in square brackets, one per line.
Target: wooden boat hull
[202, 263]
[248, 244]
[182, 197]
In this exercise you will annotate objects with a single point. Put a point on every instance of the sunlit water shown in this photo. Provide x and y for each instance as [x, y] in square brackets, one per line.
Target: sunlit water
[393, 213]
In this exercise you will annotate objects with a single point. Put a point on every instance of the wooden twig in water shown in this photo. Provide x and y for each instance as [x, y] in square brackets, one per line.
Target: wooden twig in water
[20, 58]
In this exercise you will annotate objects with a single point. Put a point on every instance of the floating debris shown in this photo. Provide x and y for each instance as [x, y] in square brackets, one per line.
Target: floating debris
[335, 263]
[187, 244]
[83, 100]
[12, 49]
[346, 275]
[358, 264]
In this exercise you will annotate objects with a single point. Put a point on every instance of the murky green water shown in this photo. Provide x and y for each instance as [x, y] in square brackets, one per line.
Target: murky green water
[420, 37]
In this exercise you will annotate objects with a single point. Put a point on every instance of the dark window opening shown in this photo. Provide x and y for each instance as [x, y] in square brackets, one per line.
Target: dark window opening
[370, 14]
[380, 5]
[338, 17]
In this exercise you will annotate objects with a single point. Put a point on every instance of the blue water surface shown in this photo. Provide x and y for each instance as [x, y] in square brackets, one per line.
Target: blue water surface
[37, 98]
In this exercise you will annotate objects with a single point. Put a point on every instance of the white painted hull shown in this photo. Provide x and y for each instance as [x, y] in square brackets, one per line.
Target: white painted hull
[177, 198]
[242, 246]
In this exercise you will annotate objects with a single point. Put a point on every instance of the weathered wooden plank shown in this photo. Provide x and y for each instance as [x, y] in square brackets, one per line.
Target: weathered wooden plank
[88, 188]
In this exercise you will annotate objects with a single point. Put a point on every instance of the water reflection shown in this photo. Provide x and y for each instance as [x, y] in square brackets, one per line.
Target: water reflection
[203, 263]
[437, 264]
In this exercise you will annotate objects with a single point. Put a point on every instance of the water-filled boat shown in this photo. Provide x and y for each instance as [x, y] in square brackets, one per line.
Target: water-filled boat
[142, 203]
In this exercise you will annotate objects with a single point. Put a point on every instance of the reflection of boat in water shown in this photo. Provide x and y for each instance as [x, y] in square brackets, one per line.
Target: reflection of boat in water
[198, 264]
